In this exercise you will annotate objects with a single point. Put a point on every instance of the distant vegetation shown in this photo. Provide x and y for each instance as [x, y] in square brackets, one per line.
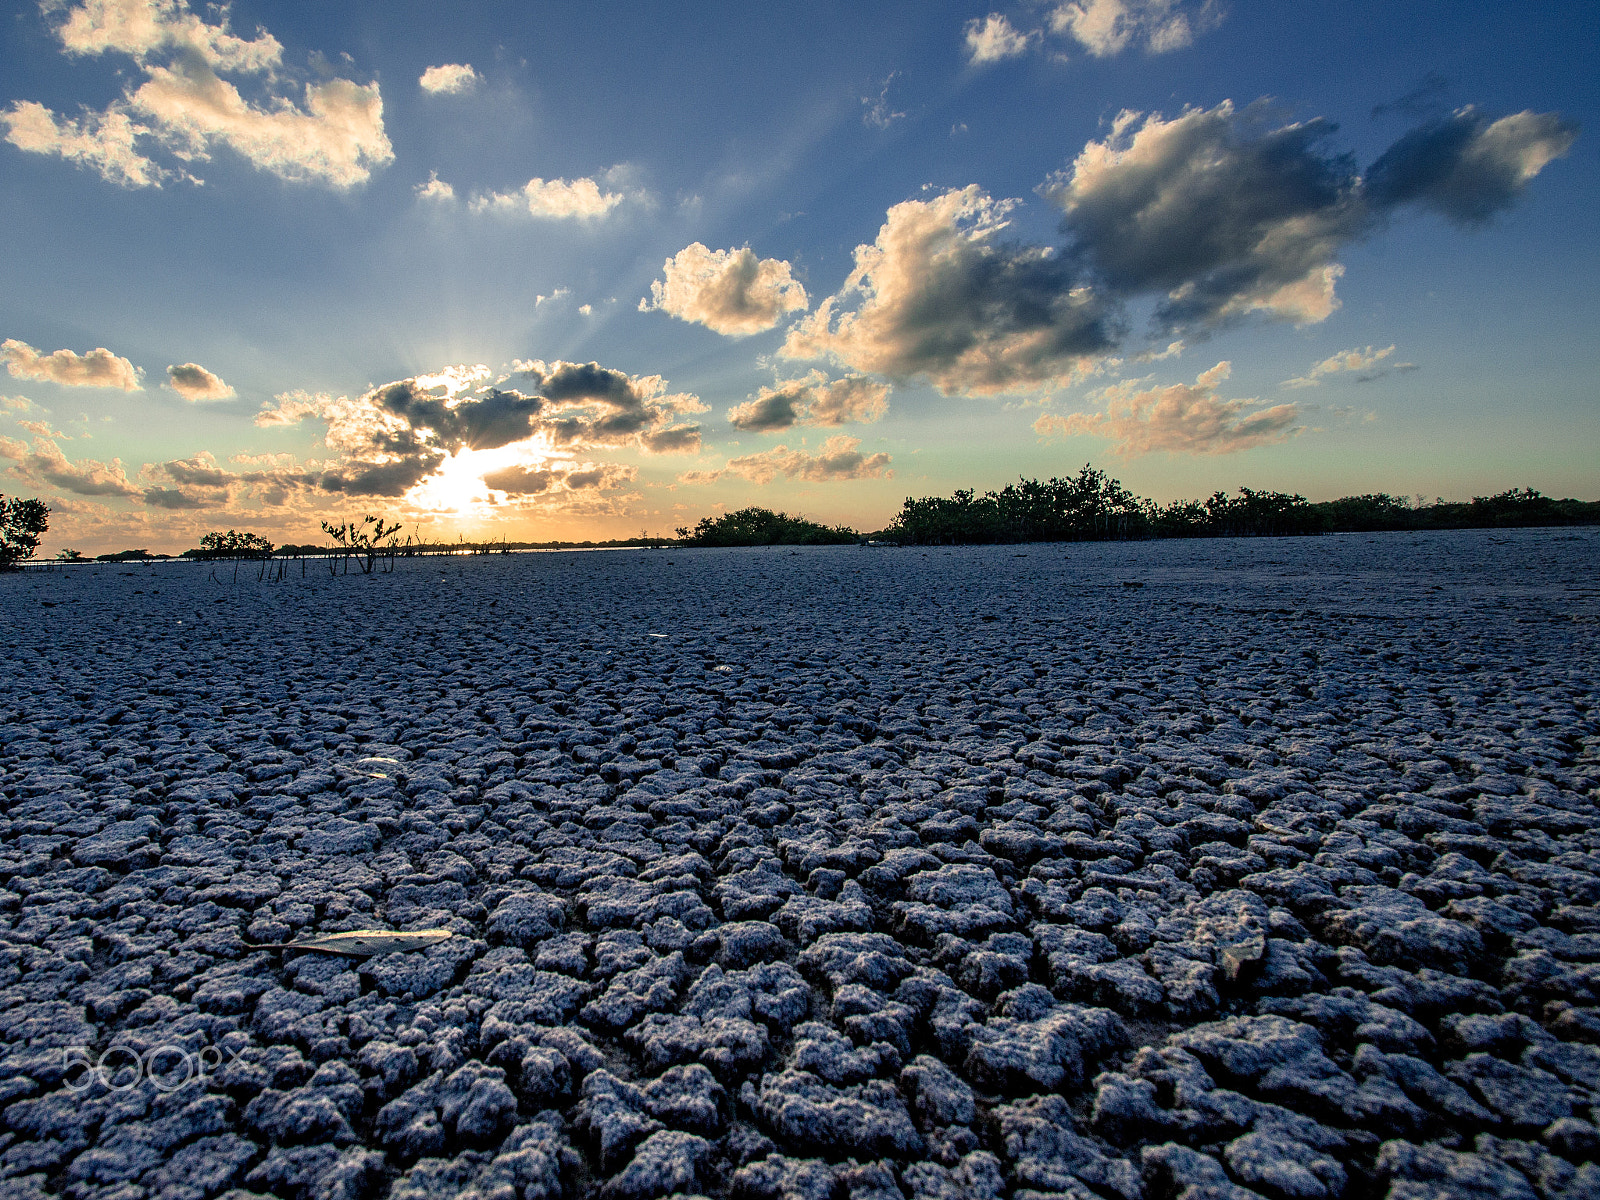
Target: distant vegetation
[763, 527]
[22, 523]
[1094, 507]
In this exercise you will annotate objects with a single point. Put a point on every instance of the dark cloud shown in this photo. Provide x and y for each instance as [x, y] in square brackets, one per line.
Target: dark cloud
[380, 479]
[1468, 167]
[1218, 214]
[680, 439]
[484, 422]
[939, 295]
[1427, 99]
[396, 436]
[172, 498]
[1213, 212]
[772, 409]
[811, 400]
[1215, 215]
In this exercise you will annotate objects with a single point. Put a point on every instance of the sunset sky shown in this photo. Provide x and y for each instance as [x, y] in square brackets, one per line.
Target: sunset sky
[586, 270]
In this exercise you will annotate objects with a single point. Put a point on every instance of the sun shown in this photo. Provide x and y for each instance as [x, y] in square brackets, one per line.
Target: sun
[457, 488]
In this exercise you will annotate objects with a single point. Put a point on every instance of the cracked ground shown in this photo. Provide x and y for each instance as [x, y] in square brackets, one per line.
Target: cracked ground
[1212, 870]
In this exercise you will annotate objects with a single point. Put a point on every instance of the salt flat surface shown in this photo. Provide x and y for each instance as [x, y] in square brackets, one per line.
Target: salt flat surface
[833, 872]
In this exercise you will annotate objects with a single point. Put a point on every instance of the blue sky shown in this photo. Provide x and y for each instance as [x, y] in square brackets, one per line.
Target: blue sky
[567, 271]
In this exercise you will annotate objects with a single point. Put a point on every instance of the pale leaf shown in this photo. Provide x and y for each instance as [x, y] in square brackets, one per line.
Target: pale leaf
[362, 943]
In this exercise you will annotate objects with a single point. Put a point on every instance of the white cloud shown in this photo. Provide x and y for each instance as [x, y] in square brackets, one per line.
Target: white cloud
[876, 110]
[939, 295]
[449, 79]
[552, 199]
[331, 133]
[811, 400]
[141, 28]
[729, 291]
[98, 368]
[46, 464]
[102, 141]
[993, 39]
[1108, 27]
[840, 459]
[194, 382]
[1364, 366]
[435, 189]
[290, 408]
[1178, 419]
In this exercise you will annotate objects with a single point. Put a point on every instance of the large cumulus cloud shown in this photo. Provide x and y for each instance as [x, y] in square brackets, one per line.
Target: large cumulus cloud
[938, 294]
[1213, 212]
[327, 131]
[1218, 213]
[1209, 217]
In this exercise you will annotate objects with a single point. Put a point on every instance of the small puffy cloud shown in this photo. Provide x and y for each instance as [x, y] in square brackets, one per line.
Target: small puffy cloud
[16, 404]
[43, 429]
[811, 400]
[1468, 167]
[939, 295]
[1363, 366]
[449, 79]
[194, 382]
[1108, 27]
[993, 39]
[435, 189]
[1222, 216]
[290, 408]
[327, 132]
[552, 199]
[44, 463]
[840, 458]
[1178, 419]
[98, 368]
[728, 291]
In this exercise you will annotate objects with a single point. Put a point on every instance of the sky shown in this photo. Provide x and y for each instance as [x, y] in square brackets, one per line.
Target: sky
[566, 271]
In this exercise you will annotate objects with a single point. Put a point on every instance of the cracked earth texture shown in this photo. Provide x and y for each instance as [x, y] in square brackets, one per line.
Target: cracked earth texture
[834, 873]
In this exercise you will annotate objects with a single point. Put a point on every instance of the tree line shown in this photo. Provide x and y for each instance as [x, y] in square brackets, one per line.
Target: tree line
[1092, 506]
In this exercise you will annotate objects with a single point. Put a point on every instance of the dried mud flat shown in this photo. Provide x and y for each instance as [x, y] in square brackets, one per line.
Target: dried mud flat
[826, 873]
